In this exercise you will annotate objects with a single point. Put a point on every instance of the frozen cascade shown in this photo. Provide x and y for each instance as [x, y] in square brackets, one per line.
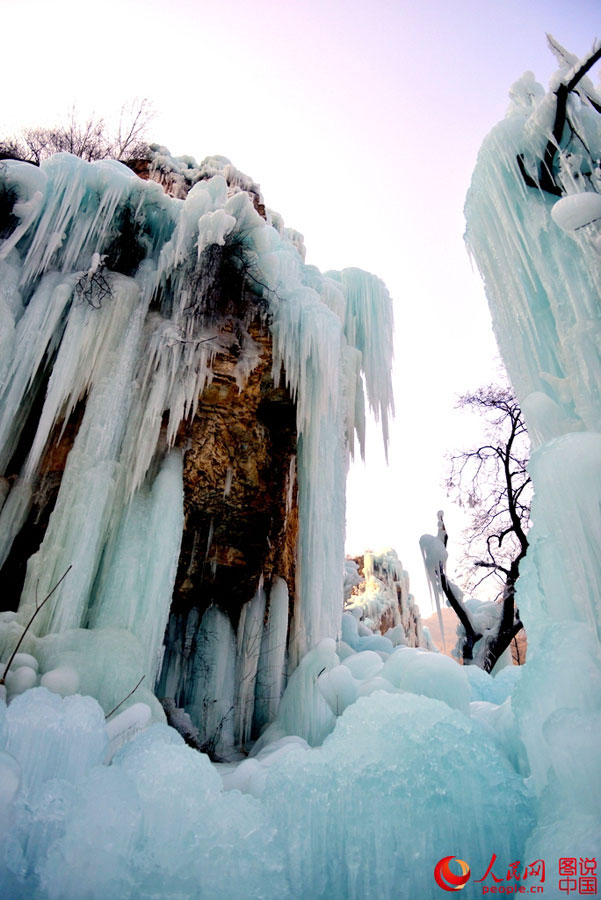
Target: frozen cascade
[209, 693]
[84, 513]
[539, 256]
[250, 632]
[136, 581]
[374, 764]
[112, 333]
[271, 668]
[199, 672]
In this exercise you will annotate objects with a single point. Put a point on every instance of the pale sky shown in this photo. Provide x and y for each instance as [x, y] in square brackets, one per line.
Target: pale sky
[362, 124]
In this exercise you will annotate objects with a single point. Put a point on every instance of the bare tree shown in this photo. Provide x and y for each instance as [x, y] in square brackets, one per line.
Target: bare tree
[492, 481]
[130, 139]
[90, 139]
[574, 82]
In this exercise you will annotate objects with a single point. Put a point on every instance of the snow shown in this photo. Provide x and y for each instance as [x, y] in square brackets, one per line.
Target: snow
[24, 659]
[20, 679]
[63, 680]
[365, 664]
[577, 211]
[339, 687]
[435, 675]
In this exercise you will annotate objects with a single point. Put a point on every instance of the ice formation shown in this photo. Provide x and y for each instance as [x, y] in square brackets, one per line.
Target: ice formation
[380, 759]
[381, 599]
[534, 230]
[110, 327]
[435, 554]
[330, 822]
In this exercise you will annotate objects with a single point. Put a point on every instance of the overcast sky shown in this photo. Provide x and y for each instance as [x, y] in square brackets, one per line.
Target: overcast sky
[362, 123]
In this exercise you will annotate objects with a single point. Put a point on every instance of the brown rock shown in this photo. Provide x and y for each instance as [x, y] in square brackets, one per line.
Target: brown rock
[239, 449]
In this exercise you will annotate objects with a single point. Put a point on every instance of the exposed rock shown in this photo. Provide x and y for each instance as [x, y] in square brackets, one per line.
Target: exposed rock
[380, 596]
[240, 523]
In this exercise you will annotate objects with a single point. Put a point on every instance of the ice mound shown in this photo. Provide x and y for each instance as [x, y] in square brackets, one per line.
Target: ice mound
[401, 782]
[70, 730]
[434, 675]
[329, 822]
[154, 824]
[493, 689]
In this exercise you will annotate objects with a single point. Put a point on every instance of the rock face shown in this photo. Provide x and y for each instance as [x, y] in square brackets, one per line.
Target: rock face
[173, 371]
[377, 592]
[239, 489]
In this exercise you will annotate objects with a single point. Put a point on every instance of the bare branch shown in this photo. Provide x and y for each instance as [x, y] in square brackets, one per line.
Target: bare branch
[90, 139]
[133, 690]
[28, 626]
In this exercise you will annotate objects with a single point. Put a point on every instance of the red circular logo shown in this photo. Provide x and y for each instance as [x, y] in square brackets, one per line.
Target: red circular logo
[446, 879]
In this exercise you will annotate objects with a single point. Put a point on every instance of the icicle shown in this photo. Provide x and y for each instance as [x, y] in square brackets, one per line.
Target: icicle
[78, 525]
[210, 699]
[272, 660]
[435, 555]
[250, 631]
[139, 571]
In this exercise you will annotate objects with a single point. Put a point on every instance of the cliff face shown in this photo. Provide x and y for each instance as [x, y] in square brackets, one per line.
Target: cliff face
[239, 489]
[240, 493]
[171, 370]
[239, 540]
[239, 477]
[377, 593]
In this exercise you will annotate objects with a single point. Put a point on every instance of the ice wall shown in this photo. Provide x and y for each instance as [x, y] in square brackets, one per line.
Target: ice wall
[537, 242]
[112, 318]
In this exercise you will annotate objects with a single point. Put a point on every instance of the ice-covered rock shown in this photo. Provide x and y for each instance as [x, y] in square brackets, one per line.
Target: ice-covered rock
[20, 679]
[63, 680]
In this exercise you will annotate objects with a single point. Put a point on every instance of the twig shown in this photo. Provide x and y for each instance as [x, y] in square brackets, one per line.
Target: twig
[133, 690]
[27, 627]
